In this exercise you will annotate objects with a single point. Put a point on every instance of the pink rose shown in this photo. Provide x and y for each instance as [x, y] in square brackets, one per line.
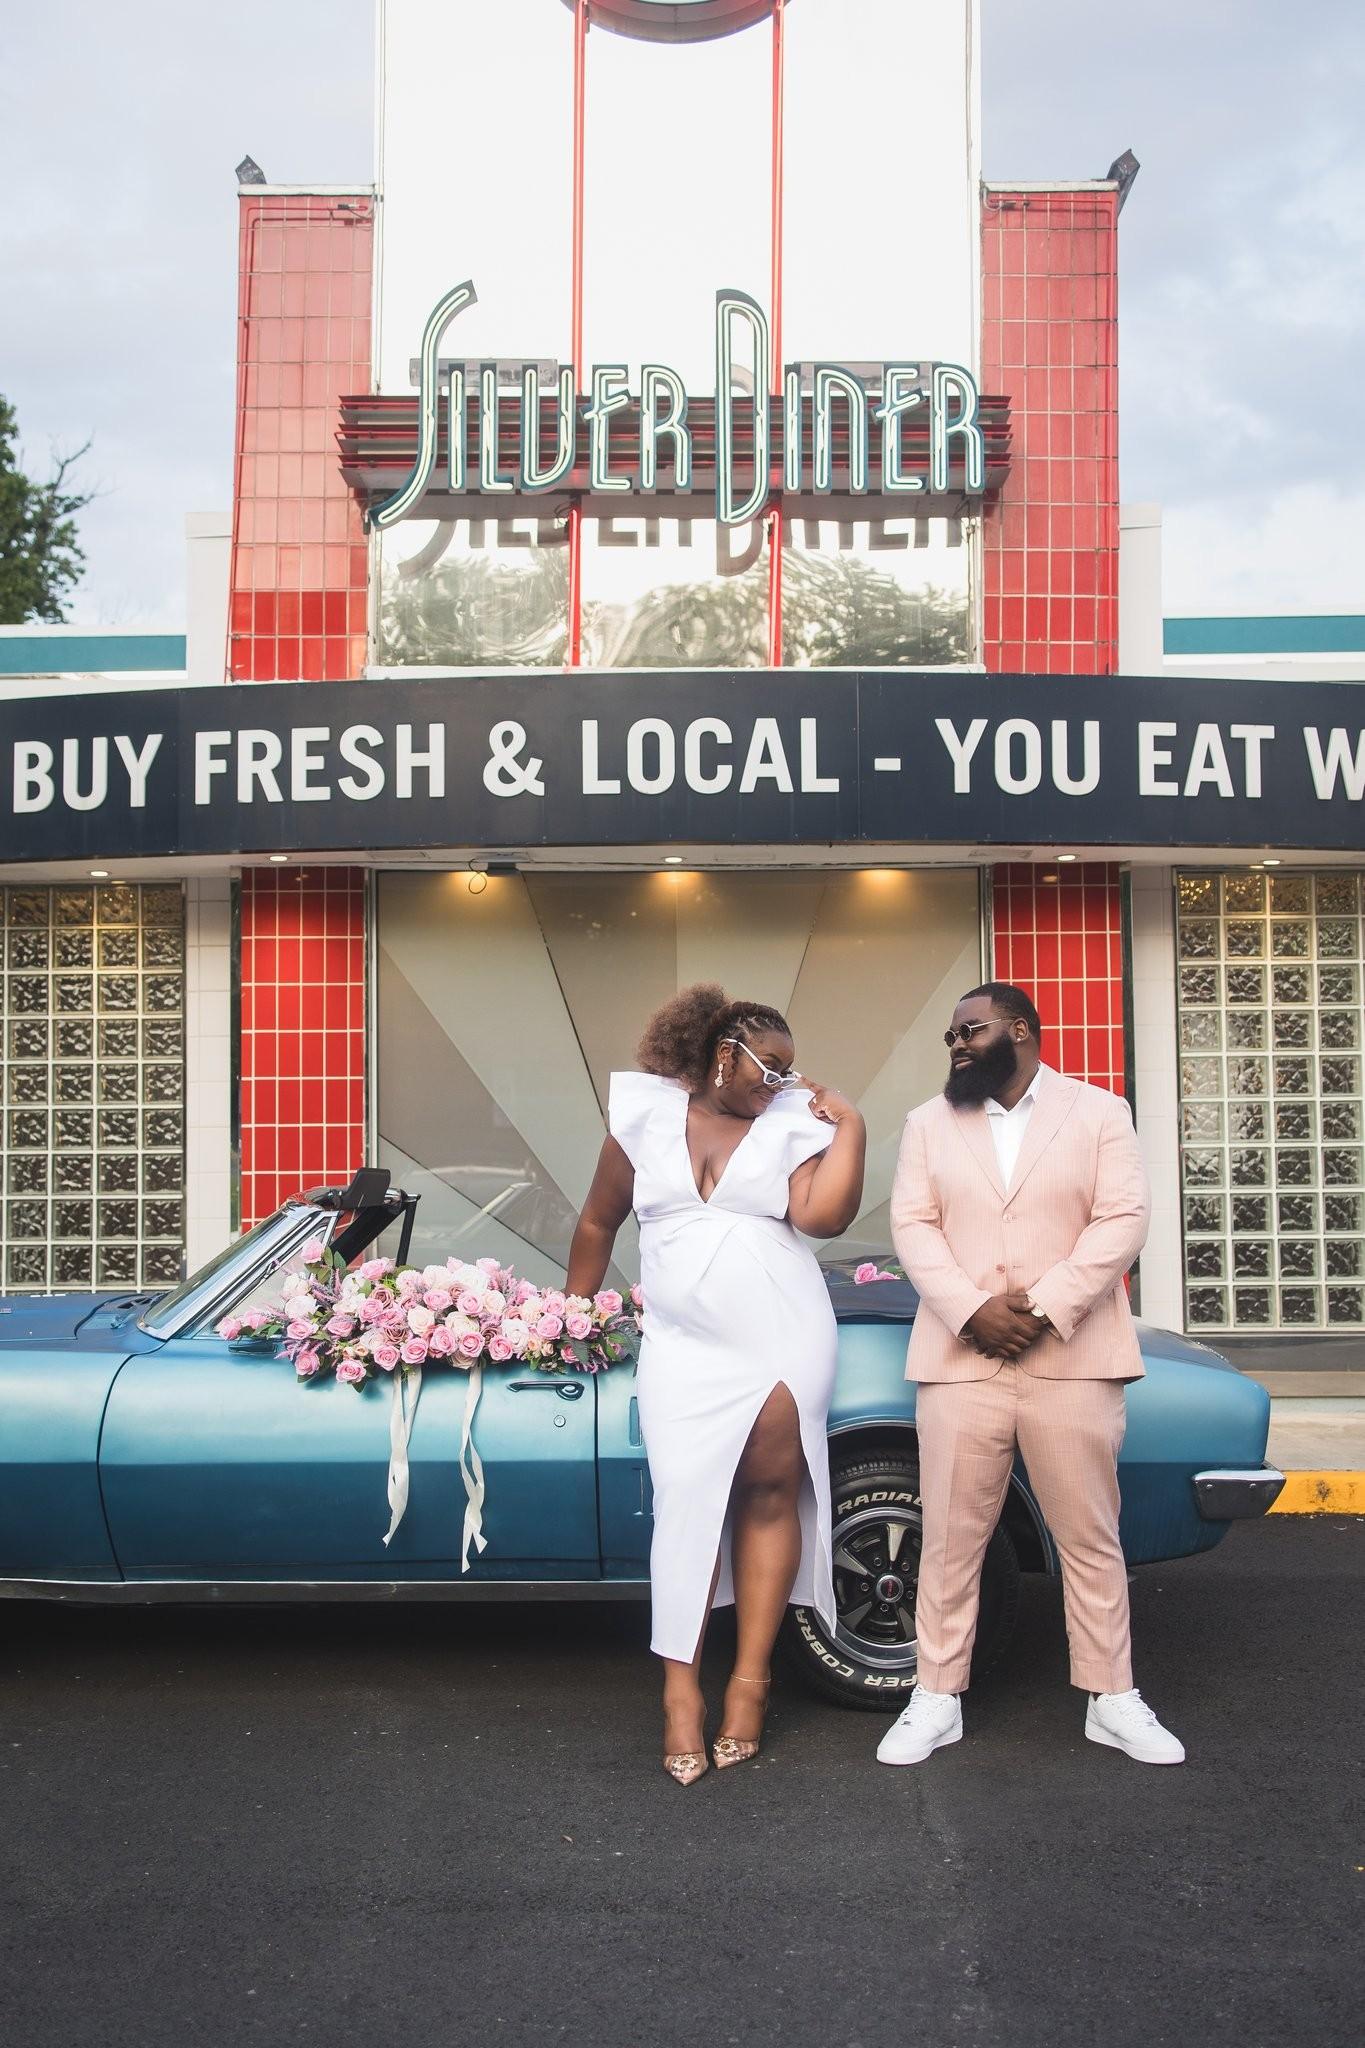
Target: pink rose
[489, 1268]
[550, 1327]
[386, 1357]
[468, 1302]
[437, 1299]
[470, 1345]
[414, 1351]
[637, 1295]
[494, 1303]
[420, 1320]
[256, 1318]
[516, 1333]
[608, 1301]
[350, 1372]
[374, 1269]
[499, 1350]
[297, 1305]
[340, 1326]
[869, 1271]
[440, 1343]
[230, 1327]
[555, 1302]
[382, 1297]
[307, 1363]
[313, 1251]
[578, 1324]
[523, 1291]
[299, 1330]
[408, 1283]
[396, 1323]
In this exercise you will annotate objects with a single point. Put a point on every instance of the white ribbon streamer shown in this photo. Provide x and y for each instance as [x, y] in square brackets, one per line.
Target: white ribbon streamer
[471, 1471]
[404, 1390]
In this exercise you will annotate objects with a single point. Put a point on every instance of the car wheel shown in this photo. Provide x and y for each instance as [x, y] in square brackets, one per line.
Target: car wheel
[868, 1659]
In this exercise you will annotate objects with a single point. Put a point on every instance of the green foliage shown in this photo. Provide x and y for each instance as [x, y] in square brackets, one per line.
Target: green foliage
[40, 558]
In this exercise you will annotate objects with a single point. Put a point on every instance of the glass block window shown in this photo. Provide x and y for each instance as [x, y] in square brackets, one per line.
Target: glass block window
[92, 1071]
[1272, 1116]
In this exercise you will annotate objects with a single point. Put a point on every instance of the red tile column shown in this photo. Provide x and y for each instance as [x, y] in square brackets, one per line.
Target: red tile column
[298, 612]
[1058, 933]
[1049, 339]
[299, 559]
[302, 1033]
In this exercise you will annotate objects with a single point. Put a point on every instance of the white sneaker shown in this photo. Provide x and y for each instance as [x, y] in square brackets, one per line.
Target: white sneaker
[931, 1721]
[1123, 1720]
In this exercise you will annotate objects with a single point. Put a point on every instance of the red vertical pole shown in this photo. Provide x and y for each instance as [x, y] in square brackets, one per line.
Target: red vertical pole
[775, 298]
[580, 39]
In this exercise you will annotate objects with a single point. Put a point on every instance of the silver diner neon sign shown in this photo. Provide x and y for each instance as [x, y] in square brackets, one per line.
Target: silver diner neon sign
[947, 391]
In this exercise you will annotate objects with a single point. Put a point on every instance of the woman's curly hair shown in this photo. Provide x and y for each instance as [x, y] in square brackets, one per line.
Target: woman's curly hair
[681, 1037]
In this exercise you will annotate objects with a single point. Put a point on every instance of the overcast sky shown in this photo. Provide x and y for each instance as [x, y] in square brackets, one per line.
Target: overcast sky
[1242, 258]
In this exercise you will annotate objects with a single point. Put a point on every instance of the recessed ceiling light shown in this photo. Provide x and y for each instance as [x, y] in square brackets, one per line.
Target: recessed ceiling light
[672, 860]
[278, 859]
[1268, 863]
[1066, 856]
[99, 874]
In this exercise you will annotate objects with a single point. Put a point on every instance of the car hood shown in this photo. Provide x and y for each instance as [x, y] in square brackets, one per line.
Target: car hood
[41, 1320]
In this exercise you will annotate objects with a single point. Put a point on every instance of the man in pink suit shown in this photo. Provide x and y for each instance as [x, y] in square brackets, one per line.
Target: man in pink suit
[1020, 1201]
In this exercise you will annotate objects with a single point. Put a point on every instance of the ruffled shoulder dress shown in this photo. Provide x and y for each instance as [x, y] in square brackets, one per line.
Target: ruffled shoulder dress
[735, 1305]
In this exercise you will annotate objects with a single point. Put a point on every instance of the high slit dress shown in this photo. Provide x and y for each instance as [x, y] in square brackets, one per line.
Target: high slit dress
[735, 1305]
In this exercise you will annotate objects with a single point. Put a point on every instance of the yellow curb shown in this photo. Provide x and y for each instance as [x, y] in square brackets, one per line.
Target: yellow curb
[1322, 1493]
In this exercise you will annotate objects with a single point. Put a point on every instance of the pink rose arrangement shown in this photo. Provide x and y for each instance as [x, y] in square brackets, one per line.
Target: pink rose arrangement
[379, 1319]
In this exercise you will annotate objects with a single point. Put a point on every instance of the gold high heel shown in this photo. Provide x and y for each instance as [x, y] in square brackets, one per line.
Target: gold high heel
[731, 1749]
[687, 1766]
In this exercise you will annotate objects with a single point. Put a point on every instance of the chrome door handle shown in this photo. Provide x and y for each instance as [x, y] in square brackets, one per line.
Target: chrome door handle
[567, 1390]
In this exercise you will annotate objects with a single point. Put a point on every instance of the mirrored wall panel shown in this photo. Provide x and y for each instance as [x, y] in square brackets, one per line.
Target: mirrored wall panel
[504, 1008]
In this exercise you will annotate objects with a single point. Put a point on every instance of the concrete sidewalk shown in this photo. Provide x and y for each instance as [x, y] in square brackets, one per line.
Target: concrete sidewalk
[1317, 1438]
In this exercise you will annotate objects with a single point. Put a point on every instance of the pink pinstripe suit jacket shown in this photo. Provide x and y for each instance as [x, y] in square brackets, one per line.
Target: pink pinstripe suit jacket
[1074, 1219]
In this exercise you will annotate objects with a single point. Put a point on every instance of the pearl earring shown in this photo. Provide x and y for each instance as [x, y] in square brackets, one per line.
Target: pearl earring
[720, 1078]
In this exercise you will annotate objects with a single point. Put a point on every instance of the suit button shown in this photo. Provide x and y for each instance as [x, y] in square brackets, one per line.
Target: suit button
[999, 1269]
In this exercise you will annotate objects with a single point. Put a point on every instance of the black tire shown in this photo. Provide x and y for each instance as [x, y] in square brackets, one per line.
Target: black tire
[869, 1659]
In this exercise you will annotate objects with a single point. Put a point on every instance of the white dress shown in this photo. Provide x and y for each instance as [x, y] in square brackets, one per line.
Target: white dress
[735, 1305]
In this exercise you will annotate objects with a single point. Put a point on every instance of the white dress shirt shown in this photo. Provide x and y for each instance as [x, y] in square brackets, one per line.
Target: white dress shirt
[1007, 1127]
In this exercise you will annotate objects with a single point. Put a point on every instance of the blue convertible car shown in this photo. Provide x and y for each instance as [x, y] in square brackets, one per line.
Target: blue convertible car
[143, 1458]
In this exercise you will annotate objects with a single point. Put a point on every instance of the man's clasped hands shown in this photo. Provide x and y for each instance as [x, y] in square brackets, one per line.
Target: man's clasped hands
[1005, 1326]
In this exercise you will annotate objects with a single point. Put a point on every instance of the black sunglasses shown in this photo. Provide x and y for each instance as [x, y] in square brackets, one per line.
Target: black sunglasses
[967, 1032]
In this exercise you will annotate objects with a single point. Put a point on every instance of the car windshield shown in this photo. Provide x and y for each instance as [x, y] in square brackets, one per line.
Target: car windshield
[268, 1242]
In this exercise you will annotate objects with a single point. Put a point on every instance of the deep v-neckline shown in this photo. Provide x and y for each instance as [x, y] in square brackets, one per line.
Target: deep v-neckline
[706, 1200]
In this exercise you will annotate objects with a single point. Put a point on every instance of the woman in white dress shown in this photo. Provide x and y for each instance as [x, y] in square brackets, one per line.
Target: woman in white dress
[724, 1157]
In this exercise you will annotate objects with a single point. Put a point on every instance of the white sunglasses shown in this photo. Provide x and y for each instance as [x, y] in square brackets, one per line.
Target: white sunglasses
[770, 1079]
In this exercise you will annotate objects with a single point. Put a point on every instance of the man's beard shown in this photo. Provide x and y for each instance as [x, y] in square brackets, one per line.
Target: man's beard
[989, 1072]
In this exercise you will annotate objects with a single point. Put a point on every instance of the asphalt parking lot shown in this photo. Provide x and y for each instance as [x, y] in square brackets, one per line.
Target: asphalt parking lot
[450, 1825]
